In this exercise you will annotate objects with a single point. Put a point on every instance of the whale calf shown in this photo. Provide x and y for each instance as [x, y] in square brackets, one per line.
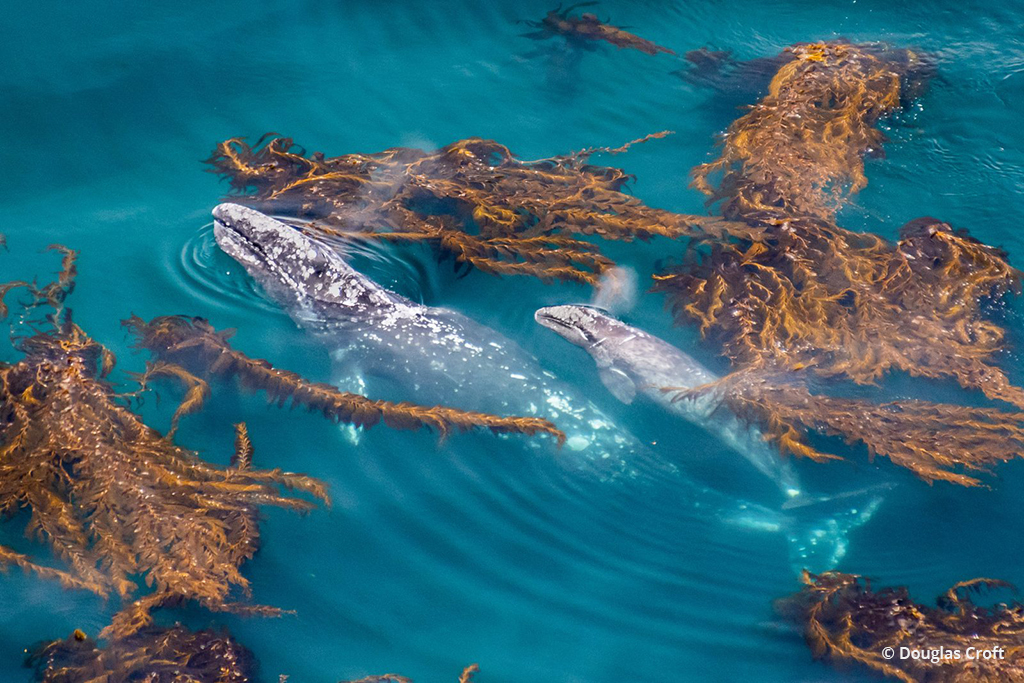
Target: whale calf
[631, 361]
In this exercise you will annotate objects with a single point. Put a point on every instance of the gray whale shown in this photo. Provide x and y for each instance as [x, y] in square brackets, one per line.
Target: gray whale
[631, 362]
[437, 355]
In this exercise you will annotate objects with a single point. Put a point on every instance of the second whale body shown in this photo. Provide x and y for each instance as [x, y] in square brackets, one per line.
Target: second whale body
[631, 361]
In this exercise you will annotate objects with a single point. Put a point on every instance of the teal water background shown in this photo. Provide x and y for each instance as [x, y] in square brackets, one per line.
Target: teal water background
[437, 555]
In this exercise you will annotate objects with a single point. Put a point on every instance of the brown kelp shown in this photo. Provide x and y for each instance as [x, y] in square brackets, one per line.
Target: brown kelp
[465, 677]
[151, 655]
[846, 620]
[787, 287]
[473, 200]
[162, 655]
[799, 151]
[856, 305]
[936, 441]
[588, 28]
[116, 500]
[193, 343]
[8, 556]
[119, 503]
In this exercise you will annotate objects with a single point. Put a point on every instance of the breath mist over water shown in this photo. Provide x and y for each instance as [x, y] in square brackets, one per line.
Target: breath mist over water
[438, 554]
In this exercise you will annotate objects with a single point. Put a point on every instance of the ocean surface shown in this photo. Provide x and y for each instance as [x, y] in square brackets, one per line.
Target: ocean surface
[438, 554]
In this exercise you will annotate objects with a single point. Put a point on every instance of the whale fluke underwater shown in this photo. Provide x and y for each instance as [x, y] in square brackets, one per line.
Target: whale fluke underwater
[442, 356]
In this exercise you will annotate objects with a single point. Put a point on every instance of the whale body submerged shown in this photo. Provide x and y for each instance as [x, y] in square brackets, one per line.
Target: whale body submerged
[436, 355]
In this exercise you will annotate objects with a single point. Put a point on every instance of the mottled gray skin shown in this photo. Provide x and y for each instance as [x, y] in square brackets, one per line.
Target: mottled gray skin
[633, 362]
[438, 355]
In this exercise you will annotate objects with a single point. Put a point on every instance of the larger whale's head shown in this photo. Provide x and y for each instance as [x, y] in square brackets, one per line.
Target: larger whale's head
[308, 278]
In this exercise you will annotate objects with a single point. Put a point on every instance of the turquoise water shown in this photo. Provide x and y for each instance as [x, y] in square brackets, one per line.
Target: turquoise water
[437, 555]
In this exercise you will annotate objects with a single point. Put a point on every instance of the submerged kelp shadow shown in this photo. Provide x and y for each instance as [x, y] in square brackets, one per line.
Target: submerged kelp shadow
[153, 655]
[584, 30]
[163, 655]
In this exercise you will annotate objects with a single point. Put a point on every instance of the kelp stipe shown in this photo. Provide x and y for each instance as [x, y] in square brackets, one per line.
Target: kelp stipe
[473, 200]
[195, 344]
[587, 27]
[936, 441]
[152, 655]
[846, 620]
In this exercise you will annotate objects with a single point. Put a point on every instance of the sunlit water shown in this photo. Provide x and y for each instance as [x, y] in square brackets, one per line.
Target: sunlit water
[437, 555]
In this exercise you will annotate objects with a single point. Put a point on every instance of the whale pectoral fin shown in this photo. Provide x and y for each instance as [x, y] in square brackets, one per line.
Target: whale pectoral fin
[355, 384]
[619, 383]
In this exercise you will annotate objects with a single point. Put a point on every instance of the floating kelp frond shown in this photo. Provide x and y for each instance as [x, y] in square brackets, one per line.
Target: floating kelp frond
[194, 343]
[845, 620]
[808, 293]
[115, 499]
[799, 151]
[57, 291]
[197, 390]
[9, 557]
[936, 441]
[465, 677]
[467, 674]
[473, 200]
[588, 27]
[153, 655]
[4, 289]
